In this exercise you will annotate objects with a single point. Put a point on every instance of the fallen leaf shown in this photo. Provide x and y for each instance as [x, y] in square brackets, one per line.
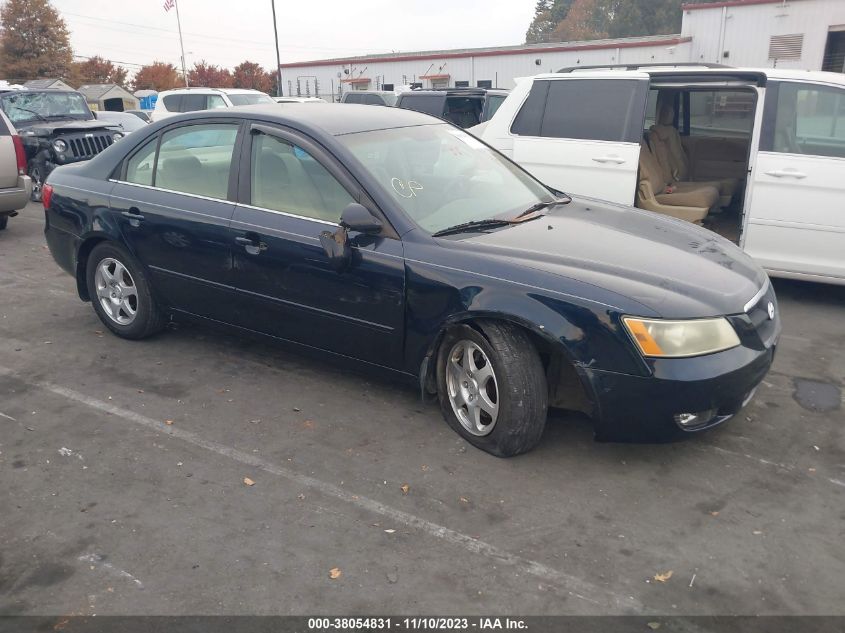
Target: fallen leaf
[405, 488]
[464, 500]
[663, 577]
[653, 625]
[248, 481]
[169, 422]
[308, 424]
[335, 573]
[300, 496]
[757, 532]
[812, 470]
[424, 468]
[715, 513]
[390, 531]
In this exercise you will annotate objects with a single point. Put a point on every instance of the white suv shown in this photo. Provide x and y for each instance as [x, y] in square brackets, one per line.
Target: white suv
[757, 155]
[172, 102]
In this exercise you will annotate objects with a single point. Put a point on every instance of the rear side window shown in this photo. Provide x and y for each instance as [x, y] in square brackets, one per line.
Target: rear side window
[197, 159]
[194, 102]
[529, 119]
[590, 109]
[171, 102]
[430, 104]
[139, 168]
[721, 113]
[373, 100]
[351, 97]
[493, 104]
[215, 101]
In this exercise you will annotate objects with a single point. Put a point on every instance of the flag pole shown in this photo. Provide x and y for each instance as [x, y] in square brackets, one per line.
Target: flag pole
[181, 43]
[278, 59]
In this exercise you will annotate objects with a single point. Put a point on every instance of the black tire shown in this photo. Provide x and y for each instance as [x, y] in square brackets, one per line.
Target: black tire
[4, 222]
[36, 174]
[522, 389]
[148, 317]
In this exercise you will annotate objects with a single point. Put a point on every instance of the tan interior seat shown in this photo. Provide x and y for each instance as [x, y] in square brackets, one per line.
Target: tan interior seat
[686, 201]
[665, 142]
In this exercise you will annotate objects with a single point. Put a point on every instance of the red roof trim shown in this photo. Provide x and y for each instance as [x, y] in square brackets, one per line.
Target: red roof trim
[728, 3]
[446, 76]
[356, 80]
[670, 41]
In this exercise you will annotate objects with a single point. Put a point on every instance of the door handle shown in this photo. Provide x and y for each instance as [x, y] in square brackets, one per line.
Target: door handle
[787, 173]
[134, 215]
[252, 245]
[609, 159]
[245, 241]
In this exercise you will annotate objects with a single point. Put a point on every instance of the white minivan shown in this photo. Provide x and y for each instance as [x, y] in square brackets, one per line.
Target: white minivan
[757, 155]
[172, 102]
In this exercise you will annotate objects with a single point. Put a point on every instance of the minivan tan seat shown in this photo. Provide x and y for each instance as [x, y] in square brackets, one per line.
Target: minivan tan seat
[687, 200]
[665, 142]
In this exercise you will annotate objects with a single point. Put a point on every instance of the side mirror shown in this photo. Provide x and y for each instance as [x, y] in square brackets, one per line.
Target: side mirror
[356, 217]
[94, 113]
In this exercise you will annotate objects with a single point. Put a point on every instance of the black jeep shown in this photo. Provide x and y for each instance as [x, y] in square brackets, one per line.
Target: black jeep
[57, 128]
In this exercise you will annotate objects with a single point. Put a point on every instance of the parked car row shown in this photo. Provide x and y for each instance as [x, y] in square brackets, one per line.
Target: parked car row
[395, 240]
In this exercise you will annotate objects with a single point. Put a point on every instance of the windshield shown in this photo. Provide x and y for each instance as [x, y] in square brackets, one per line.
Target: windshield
[35, 106]
[249, 99]
[442, 176]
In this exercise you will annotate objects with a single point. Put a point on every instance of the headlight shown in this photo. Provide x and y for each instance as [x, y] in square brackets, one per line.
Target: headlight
[676, 339]
[116, 136]
[60, 146]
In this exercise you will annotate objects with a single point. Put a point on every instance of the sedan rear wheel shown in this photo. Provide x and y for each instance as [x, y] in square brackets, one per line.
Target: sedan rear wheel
[120, 293]
[492, 387]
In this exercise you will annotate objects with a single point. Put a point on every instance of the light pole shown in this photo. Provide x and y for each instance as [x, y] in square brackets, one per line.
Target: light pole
[278, 59]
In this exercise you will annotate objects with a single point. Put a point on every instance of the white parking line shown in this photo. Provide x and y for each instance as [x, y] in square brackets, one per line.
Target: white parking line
[574, 586]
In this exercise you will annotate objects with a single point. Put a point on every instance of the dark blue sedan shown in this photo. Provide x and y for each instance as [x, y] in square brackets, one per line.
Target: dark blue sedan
[397, 240]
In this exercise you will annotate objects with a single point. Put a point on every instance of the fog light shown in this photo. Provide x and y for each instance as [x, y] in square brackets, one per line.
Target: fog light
[694, 419]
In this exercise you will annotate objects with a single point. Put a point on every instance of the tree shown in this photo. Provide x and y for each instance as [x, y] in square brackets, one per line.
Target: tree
[209, 76]
[251, 75]
[547, 15]
[580, 23]
[34, 41]
[157, 76]
[96, 70]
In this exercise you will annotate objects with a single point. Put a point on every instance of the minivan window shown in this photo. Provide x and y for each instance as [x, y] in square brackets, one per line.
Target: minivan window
[810, 119]
[287, 178]
[193, 102]
[197, 159]
[249, 99]
[722, 113]
[171, 102]
[351, 97]
[430, 104]
[215, 101]
[593, 109]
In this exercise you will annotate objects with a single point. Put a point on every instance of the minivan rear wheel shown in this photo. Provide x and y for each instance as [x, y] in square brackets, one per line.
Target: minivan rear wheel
[492, 388]
[120, 293]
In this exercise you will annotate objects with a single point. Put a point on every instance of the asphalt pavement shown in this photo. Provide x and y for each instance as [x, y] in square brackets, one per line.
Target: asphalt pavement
[204, 473]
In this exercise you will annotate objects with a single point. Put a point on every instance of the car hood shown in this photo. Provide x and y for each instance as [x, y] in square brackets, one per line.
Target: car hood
[677, 269]
[47, 128]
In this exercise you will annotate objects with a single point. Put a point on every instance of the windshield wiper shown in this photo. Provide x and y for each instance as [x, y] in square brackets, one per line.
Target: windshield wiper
[469, 226]
[542, 205]
[40, 116]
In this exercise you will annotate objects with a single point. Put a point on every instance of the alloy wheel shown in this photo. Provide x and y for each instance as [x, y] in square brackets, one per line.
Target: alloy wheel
[116, 291]
[472, 388]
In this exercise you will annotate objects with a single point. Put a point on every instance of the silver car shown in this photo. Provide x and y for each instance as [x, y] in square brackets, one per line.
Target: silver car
[15, 185]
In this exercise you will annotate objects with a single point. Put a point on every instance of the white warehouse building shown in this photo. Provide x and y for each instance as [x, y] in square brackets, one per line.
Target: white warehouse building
[803, 34]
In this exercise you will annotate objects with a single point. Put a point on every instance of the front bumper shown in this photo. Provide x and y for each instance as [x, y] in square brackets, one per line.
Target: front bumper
[644, 408]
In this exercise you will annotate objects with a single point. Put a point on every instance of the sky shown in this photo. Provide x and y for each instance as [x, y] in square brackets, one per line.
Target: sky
[226, 32]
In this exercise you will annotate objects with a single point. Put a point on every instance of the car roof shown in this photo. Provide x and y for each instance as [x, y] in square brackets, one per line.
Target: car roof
[449, 92]
[334, 119]
[785, 74]
[228, 91]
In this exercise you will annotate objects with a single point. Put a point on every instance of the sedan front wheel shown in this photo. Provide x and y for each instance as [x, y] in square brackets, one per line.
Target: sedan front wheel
[492, 387]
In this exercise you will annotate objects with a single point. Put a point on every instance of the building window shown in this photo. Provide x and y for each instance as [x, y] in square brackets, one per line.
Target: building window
[461, 84]
[416, 85]
[485, 83]
[387, 87]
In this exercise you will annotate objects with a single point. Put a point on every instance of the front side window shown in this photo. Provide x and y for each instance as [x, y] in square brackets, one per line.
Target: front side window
[215, 102]
[139, 168]
[197, 159]
[441, 176]
[27, 107]
[287, 178]
[810, 120]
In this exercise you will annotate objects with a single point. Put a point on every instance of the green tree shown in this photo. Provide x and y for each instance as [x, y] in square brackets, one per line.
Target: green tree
[631, 18]
[34, 41]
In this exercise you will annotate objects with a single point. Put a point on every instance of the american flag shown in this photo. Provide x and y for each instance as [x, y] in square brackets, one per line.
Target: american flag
[169, 4]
